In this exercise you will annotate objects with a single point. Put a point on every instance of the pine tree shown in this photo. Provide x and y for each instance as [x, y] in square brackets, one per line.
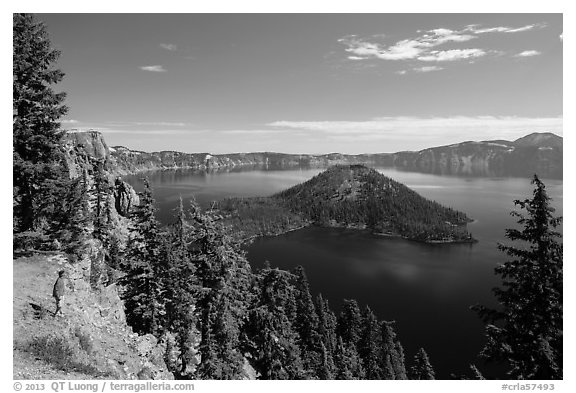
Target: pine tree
[182, 290]
[306, 324]
[76, 221]
[326, 368]
[269, 336]
[349, 329]
[227, 335]
[421, 368]
[209, 367]
[224, 276]
[347, 361]
[526, 332]
[37, 152]
[145, 268]
[350, 322]
[392, 353]
[327, 329]
[370, 345]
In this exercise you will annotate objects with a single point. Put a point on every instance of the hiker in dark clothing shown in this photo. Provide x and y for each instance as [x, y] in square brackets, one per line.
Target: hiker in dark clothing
[59, 289]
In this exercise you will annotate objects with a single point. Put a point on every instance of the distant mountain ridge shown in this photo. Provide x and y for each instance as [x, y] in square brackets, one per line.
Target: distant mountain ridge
[544, 139]
[540, 153]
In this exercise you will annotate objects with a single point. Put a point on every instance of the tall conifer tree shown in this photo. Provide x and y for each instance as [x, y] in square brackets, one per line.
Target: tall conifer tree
[182, 290]
[370, 345]
[392, 353]
[224, 275]
[526, 331]
[327, 329]
[145, 268]
[350, 322]
[37, 152]
[269, 336]
[306, 324]
[347, 361]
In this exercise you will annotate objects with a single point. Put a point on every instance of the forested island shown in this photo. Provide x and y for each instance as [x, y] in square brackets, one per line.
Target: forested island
[352, 196]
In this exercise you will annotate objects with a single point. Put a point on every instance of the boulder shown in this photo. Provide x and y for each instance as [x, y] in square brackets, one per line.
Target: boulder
[125, 198]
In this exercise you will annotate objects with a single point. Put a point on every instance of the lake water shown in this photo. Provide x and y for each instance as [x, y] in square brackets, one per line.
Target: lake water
[426, 289]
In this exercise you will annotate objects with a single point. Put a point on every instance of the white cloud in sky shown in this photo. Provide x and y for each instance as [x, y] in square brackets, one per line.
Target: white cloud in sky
[528, 53]
[423, 47]
[452, 55]
[153, 68]
[427, 69]
[404, 49]
[502, 29]
[170, 47]
[69, 121]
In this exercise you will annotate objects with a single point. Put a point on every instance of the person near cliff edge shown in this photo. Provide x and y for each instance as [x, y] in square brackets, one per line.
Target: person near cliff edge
[59, 289]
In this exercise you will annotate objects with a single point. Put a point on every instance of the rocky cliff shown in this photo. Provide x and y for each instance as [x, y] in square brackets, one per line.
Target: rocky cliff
[540, 153]
[91, 339]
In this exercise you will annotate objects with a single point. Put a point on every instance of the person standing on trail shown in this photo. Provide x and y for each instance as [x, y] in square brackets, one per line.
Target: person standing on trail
[59, 289]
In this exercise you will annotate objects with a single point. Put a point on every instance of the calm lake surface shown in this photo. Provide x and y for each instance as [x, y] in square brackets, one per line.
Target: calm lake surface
[426, 289]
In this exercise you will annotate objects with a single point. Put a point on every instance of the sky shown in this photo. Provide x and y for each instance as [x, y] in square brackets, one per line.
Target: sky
[309, 83]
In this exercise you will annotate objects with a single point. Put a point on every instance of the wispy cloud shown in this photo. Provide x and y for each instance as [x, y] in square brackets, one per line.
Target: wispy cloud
[424, 47]
[170, 47]
[69, 121]
[452, 55]
[528, 53]
[502, 29]
[153, 68]
[404, 49]
[428, 69]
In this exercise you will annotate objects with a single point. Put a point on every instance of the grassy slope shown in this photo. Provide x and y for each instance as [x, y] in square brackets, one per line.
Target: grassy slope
[32, 283]
[90, 341]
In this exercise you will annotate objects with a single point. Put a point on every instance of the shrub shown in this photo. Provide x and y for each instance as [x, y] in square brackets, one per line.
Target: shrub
[30, 240]
[62, 353]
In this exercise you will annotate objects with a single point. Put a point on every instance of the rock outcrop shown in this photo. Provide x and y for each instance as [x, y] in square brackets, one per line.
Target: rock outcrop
[125, 198]
[83, 149]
